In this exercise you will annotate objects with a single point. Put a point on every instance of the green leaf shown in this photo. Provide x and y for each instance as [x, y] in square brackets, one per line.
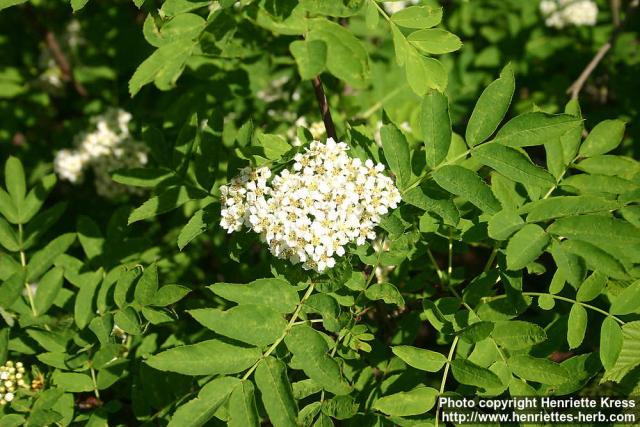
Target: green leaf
[526, 246]
[577, 325]
[372, 17]
[169, 294]
[50, 341]
[435, 124]
[243, 411]
[11, 289]
[310, 350]
[424, 73]
[253, 324]
[72, 381]
[476, 332]
[7, 208]
[468, 185]
[311, 57]
[491, 108]
[535, 129]
[596, 258]
[612, 235]
[176, 7]
[127, 320]
[140, 177]
[76, 5]
[198, 224]
[606, 136]
[396, 151]
[8, 3]
[276, 392]
[36, 197]
[435, 41]
[570, 266]
[84, 308]
[337, 8]
[443, 207]
[210, 357]
[407, 403]
[166, 201]
[183, 27]
[44, 258]
[123, 285]
[90, 237]
[425, 360]
[418, 17]
[277, 294]
[629, 356]
[563, 206]
[597, 184]
[611, 339]
[543, 371]
[147, 286]
[198, 411]
[386, 292]
[48, 288]
[627, 301]
[12, 420]
[163, 67]
[15, 181]
[41, 223]
[591, 287]
[606, 164]
[8, 237]
[4, 345]
[517, 334]
[513, 164]
[346, 57]
[467, 372]
[503, 224]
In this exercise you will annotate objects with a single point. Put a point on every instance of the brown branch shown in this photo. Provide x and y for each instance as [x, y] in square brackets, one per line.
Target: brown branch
[56, 52]
[578, 84]
[324, 108]
[62, 62]
[615, 12]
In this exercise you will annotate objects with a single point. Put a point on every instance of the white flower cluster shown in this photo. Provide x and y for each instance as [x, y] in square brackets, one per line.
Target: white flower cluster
[11, 377]
[395, 6]
[109, 146]
[561, 13]
[310, 213]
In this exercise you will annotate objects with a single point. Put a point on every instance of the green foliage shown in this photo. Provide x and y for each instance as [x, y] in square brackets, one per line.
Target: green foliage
[509, 268]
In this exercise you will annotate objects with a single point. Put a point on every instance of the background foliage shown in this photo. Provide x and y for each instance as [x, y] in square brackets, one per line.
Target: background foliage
[510, 267]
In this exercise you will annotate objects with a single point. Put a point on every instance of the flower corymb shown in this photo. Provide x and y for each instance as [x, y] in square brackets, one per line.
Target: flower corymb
[310, 213]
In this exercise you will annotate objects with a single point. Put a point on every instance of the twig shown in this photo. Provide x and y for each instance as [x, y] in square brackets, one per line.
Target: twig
[615, 11]
[56, 51]
[577, 85]
[324, 108]
[62, 62]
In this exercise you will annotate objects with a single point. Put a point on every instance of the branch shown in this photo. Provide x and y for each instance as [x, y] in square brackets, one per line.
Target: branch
[577, 85]
[56, 51]
[324, 108]
[62, 62]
